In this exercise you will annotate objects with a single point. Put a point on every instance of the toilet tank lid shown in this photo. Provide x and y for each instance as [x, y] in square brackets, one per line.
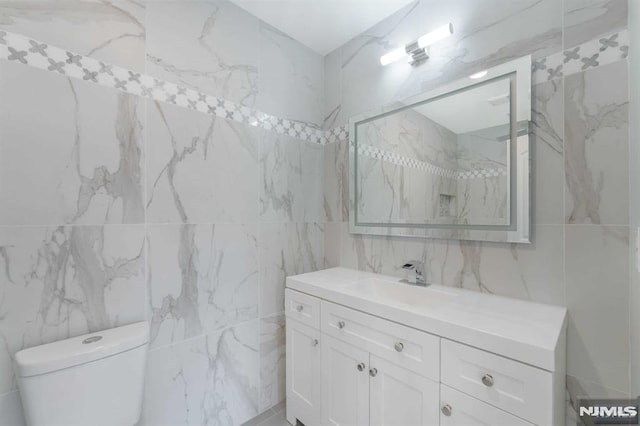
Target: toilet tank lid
[79, 350]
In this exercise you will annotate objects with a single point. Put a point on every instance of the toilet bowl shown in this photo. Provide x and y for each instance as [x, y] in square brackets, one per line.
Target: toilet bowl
[95, 379]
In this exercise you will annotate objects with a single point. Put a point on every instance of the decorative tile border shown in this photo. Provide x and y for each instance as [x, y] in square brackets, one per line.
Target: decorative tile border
[412, 163]
[27, 51]
[594, 53]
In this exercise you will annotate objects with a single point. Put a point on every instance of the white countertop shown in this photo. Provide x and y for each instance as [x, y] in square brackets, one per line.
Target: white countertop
[525, 331]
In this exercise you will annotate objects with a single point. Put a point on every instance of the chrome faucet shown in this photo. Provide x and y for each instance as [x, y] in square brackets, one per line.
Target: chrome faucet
[415, 273]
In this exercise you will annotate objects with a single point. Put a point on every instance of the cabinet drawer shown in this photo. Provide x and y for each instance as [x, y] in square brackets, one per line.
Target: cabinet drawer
[518, 388]
[464, 410]
[302, 308]
[414, 350]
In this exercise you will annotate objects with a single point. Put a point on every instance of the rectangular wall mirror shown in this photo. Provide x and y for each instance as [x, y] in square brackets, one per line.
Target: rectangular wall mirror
[451, 163]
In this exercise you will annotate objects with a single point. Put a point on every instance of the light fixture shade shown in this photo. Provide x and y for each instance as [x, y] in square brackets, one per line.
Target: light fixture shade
[411, 48]
[435, 35]
[393, 56]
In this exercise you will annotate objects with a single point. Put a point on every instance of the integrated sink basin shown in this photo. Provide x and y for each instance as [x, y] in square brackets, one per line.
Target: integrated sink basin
[397, 292]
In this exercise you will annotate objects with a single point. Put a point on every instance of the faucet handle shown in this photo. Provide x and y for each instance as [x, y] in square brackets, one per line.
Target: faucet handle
[415, 271]
[413, 265]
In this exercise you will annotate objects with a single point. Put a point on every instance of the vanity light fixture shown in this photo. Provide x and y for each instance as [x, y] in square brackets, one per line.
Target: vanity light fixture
[417, 50]
[478, 75]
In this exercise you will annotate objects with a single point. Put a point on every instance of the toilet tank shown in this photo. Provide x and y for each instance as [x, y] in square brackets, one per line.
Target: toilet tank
[95, 379]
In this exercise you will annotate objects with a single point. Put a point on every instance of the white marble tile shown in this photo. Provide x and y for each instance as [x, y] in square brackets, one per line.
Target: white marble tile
[202, 278]
[111, 30]
[200, 169]
[525, 271]
[332, 238]
[336, 181]
[485, 34]
[291, 83]
[597, 279]
[291, 179]
[65, 281]
[597, 146]
[379, 254]
[210, 380]
[587, 19]
[272, 361]
[11, 410]
[286, 249]
[333, 116]
[548, 153]
[209, 46]
[80, 161]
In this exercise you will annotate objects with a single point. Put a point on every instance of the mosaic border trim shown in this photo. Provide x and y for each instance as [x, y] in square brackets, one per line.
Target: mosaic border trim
[412, 163]
[27, 51]
[31, 52]
[592, 54]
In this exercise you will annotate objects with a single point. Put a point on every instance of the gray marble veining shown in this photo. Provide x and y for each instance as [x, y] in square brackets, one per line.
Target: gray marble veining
[587, 19]
[290, 171]
[596, 146]
[210, 380]
[202, 278]
[112, 30]
[272, 361]
[547, 136]
[68, 167]
[597, 274]
[286, 249]
[64, 281]
[189, 164]
[208, 46]
[291, 79]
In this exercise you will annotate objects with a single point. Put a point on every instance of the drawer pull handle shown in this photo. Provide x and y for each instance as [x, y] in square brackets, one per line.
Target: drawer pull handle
[361, 366]
[446, 410]
[487, 380]
[373, 372]
[341, 324]
[299, 308]
[315, 342]
[399, 346]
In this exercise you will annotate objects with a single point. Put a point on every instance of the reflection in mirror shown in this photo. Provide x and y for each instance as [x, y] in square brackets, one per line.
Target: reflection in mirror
[457, 159]
[442, 162]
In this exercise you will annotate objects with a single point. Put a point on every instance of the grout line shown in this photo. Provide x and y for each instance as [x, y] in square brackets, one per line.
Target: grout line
[208, 333]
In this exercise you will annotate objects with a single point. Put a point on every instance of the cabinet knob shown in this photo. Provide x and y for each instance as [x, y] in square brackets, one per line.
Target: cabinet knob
[361, 366]
[299, 308]
[341, 324]
[487, 380]
[399, 346]
[446, 410]
[315, 342]
[373, 372]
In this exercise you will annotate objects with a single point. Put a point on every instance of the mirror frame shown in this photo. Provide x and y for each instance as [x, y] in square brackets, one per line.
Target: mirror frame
[518, 230]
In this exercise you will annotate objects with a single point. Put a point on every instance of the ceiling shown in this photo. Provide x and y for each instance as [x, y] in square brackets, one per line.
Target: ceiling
[322, 25]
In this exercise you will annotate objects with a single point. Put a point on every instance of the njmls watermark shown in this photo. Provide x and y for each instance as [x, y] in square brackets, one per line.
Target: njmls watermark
[608, 411]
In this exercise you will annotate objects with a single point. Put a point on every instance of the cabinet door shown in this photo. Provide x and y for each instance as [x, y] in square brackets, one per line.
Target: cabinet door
[345, 384]
[400, 397]
[303, 373]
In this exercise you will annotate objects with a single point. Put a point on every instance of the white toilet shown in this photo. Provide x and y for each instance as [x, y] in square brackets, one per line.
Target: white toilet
[95, 379]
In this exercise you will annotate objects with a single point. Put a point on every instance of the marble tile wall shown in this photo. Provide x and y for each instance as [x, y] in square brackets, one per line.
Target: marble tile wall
[634, 159]
[119, 204]
[579, 256]
[191, 218]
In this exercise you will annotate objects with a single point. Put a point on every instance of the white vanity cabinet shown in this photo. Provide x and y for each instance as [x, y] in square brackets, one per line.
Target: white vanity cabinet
[352, 362]
[303, 354]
